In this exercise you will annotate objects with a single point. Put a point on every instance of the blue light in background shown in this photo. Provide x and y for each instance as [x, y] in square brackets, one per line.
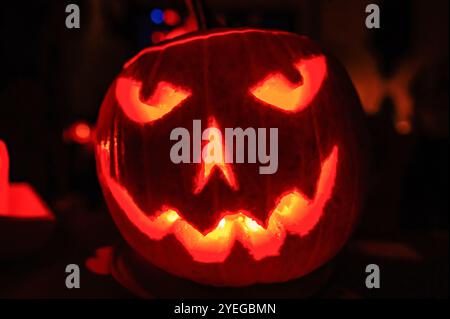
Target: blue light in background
[157, 16]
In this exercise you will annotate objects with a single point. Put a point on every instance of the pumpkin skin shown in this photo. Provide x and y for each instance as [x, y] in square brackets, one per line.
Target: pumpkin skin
[222, 235]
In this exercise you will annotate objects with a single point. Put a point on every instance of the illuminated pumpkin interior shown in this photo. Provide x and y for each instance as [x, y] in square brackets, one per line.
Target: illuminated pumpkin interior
[276, 90]
[293, 213]
[163, 100]
[217, 161]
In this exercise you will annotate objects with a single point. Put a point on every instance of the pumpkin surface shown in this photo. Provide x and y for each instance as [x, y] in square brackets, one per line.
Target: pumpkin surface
[226, 223]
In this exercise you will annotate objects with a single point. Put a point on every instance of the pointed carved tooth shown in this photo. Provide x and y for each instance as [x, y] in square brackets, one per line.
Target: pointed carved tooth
[293, 214]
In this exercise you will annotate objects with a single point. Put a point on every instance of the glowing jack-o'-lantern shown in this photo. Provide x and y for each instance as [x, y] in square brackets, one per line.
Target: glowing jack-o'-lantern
[225, 223]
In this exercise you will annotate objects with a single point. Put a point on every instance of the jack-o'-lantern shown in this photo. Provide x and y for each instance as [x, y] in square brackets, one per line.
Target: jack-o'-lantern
[226, 222]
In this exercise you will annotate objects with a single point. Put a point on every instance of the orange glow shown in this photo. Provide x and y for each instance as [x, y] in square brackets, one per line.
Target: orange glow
[292, 214]
[164, 99]
[403, 127]
[100, 264]
[18, 200]
[373, 88]
[171, 17]
[4, 179]
[190, 25]
[158, 36]
[82, 132]
[206, 168]
[278, 91]
[79, 132]
[24, 202]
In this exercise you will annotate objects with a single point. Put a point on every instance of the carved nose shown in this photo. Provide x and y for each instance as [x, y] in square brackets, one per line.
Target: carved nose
[213, 158]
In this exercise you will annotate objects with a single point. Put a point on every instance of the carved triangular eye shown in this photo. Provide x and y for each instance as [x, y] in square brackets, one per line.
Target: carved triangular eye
[163, 100]
[276, 90]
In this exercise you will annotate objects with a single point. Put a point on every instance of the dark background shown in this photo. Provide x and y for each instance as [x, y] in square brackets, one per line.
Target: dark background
[53, 77]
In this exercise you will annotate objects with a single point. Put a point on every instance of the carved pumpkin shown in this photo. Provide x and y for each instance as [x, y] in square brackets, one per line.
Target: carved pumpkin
[227, 224]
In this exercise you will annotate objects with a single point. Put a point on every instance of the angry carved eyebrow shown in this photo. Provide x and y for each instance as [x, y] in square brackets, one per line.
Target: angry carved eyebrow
[278, 91]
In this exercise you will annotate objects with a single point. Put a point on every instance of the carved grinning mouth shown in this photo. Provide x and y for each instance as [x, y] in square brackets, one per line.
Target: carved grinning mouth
[293, 213]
